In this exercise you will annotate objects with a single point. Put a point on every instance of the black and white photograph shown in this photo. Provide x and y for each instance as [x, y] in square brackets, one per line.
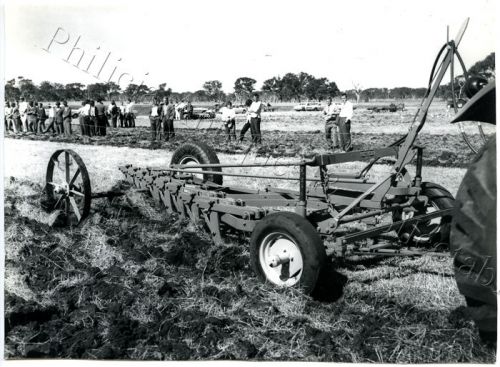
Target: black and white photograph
[254, 181]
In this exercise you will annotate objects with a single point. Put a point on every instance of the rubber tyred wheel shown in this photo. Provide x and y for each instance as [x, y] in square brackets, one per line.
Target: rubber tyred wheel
[198, 153]
[435, 231]
[473, 240]
[287, 251]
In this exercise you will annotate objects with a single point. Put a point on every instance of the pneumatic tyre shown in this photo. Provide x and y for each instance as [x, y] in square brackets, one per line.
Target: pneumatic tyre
[198, 153]
[435, 231]
[287, 251]
[473, 240]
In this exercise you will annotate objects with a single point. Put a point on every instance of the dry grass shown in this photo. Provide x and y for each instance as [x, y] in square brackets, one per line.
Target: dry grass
[162, 290]
[364, 121]
[28, 160]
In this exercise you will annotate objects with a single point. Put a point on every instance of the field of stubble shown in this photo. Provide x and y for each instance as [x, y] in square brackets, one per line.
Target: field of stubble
[135, 283]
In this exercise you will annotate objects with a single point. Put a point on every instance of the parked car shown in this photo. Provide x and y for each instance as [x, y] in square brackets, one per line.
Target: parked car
[391, 108]
[203, 113]
[308, 106]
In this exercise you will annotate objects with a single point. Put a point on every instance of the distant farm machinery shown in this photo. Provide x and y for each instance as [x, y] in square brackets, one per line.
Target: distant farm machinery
[292, 231]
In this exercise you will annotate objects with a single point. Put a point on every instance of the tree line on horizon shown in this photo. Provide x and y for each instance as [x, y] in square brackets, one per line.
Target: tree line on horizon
[289, 88]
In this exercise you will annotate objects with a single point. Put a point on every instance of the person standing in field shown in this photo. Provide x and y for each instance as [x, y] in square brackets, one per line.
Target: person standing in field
[31, 112]
[59, 119]
[100, 111]
[168, 116]
[81, 121]
[66, 119]
[129, 114]
[122, 116]
[42, 116]
[344, 123]
[93, 119]
[52, 119]
[86, 118]
[154, 119]
[255, 110]
[114, 113]
[331, 112]
[246, 126]
[229, 119]
[8, 117]
[188, 111]
[23, 107]
[179, 110]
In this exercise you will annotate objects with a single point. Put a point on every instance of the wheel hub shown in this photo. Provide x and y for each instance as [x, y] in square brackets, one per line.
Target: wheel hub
[281, 260]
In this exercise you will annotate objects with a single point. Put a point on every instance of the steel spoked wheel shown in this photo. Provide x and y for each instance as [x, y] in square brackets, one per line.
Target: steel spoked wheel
[287, 251]
[281, 260]
[68, 185]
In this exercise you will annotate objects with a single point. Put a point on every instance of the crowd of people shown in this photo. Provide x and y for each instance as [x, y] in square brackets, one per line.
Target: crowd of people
[94, 117]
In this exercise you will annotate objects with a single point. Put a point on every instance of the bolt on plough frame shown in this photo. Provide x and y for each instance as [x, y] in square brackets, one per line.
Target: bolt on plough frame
[287, 247]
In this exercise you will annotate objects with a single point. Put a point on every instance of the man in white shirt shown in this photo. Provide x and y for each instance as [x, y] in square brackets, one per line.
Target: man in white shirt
[331, 113]
[85, 112]
[154, 118]
[23, 107]
[344, 122]
[229, 119]
[52, 119]
[255, 119]
[81, 114]
[179, 110]
[129, 114]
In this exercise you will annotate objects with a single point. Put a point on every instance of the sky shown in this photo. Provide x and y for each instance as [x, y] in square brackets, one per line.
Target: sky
[383, 43]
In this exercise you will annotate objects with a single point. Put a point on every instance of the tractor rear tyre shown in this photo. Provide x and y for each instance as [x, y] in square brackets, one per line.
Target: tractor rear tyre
[435, 231]
[198, 153]
[473, 240]
[287, 251]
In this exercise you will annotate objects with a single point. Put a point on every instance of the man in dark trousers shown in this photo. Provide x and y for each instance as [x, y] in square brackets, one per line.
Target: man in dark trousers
[59, 119]
[344, 123]
[246, 126]
[66, 119]
[154, 119]
[114, 112]
[85, 111]
[42, 116]
[93, 119]
[129, 114]
[331, 112]
[100, 112]
[32, 112]
[255, 110]
[168, 116]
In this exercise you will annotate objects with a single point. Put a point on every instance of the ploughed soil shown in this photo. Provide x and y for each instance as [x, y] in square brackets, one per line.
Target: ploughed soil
[135, 283]
[439, 150]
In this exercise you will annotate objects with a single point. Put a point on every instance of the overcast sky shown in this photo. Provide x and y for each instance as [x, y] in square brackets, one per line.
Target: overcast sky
[383, 43]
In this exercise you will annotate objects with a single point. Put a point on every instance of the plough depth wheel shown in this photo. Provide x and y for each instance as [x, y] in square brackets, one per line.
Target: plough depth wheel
[431, 232]
[68, 185]
[286, 250]
[198, 153]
